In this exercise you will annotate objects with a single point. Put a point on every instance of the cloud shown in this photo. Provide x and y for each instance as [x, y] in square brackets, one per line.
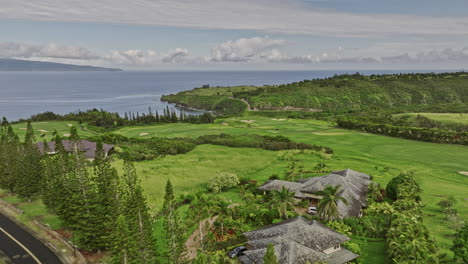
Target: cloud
[246, 49]
[283, 16]
[175, 56]
[51, 50]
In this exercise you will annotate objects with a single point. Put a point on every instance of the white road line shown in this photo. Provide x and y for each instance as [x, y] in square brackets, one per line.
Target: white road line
[21, 245]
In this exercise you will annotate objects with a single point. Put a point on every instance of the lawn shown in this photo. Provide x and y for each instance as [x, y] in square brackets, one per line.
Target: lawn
[45, 130]
[456, 118]
[435, 165]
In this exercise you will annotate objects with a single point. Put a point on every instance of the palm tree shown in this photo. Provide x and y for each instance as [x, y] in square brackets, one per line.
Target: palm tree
[328, 205]
[284, 199]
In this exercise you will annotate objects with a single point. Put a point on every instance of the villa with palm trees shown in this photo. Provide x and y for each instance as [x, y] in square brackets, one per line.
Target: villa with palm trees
[297, 241]
[338, 195]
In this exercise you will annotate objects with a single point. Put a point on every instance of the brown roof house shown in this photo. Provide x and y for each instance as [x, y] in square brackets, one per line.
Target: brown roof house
[297, 241]
[354, 188]
[85, 146]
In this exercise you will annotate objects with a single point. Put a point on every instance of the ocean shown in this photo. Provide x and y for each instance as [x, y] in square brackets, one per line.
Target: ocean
[25, 93]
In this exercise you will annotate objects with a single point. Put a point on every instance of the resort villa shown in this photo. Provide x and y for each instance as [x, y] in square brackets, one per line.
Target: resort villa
[297, 241]
[353, 187]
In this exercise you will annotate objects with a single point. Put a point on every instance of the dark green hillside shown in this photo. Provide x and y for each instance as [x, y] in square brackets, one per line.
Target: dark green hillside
[337, 94]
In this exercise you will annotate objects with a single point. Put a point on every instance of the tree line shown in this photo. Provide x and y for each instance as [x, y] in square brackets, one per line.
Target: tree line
[104, 119]
[104, 210]
[434, 135]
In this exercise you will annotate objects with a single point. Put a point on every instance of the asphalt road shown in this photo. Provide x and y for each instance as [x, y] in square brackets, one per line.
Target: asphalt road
[21, 247]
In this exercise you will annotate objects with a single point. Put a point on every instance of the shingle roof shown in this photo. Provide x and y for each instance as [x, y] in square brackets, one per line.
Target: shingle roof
[354, 187]
[86, 146]
[297, 241]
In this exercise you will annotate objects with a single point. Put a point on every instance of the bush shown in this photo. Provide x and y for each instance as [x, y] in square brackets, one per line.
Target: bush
[223, 181]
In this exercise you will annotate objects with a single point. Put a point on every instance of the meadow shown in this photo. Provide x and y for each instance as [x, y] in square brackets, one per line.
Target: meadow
[435, 166]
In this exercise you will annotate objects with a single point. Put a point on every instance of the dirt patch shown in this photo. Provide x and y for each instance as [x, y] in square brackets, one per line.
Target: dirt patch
[463, 173]
[66, 134]
[93, 257]
[64, 232]
[42, 130]
[69, 125]
[193, 242]
[225, 124]
[143, 134]
[23, 128]
[248, 121]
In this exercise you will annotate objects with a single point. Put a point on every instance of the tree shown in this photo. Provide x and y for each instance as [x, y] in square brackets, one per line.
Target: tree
[30, 175]
[223, 181]
[173, 229]
[328, 205]
[134, 208]
[125, 250]
[284, 200]
[460, 245]
[270, 256]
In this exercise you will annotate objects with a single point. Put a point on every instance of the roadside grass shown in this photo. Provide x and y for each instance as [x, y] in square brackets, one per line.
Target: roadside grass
[435, 165]
[455, 118]
[44, 130]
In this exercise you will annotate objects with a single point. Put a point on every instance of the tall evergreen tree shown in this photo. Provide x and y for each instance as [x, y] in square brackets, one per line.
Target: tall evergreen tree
[30, 175]
[136, 211]
[125, 249]
[173, 229]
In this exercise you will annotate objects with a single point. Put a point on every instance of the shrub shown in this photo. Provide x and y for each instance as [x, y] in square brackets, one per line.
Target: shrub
[223, 181]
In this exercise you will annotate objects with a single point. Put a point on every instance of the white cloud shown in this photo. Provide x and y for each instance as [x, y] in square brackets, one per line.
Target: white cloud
[246, 49]
[177, 55]
[51, 50]
[285, 16]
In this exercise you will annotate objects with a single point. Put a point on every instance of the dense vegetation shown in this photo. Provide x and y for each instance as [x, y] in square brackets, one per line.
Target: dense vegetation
[104, 119]
[339, 93]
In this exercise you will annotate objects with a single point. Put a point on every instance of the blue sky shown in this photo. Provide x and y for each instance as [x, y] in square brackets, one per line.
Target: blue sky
[241, 34]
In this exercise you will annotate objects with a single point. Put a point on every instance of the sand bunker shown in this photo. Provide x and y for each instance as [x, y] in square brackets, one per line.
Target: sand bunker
[248, 121]
[143, 134]
[279, 119]
[70, 125]
[42, 130]
[463, 173]
[66, 134]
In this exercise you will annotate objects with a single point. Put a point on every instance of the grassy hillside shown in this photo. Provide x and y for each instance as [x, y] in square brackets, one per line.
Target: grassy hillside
[338, 94]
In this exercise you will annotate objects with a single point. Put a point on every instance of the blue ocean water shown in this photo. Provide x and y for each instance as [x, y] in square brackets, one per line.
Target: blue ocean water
[25, 93]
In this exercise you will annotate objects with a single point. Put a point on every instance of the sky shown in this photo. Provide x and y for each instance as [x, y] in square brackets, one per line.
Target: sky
[238, 34]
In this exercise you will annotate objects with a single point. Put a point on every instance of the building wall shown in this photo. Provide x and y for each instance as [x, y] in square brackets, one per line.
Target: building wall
[332, 249]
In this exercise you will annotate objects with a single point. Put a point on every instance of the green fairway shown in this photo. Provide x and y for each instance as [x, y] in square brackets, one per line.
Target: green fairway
[457, 118]
[435, 166]
[46, 129]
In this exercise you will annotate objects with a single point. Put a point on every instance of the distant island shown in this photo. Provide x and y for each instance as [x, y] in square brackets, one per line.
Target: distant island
[25, 65]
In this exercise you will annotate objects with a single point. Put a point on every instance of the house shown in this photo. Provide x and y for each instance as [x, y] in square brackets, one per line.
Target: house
[85, 146]
[297, 241]
[353, 187]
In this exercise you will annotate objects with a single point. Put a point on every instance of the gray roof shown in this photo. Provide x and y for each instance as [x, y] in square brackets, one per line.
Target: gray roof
[296, 240]
[354, 187]
[86, 146]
